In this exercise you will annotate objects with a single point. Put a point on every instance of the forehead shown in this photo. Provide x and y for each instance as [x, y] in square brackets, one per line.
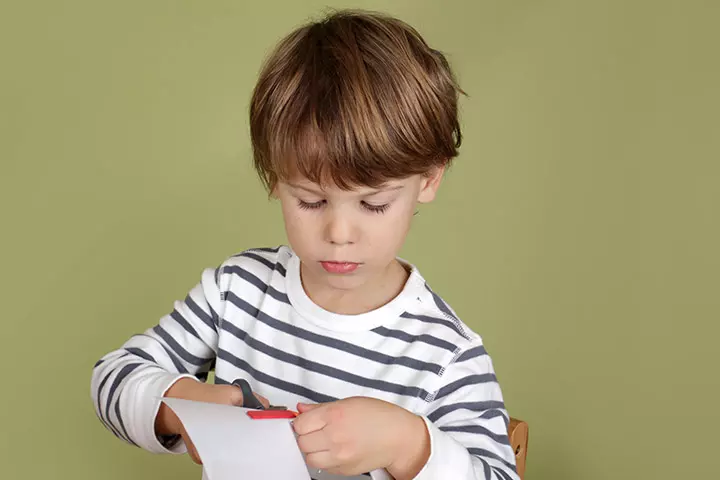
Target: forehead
[329, 188]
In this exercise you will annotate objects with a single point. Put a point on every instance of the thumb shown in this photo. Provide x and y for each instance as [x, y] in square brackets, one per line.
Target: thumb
[307, 407]
[262, 400]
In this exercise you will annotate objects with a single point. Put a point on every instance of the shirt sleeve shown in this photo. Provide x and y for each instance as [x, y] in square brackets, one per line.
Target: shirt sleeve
[127, 384]
[468, 423]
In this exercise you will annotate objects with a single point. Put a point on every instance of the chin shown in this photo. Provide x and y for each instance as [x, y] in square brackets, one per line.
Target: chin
[343, 282]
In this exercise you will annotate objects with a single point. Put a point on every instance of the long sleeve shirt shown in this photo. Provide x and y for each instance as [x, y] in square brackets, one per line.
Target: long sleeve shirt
[251, 318]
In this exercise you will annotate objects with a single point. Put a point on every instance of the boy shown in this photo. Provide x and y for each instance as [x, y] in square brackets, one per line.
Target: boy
[353, 123]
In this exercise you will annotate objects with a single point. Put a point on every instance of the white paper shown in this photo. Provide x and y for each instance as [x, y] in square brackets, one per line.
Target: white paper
[233, 446]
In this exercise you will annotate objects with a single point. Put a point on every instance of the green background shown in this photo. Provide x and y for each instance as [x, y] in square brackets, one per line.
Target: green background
[578, 231]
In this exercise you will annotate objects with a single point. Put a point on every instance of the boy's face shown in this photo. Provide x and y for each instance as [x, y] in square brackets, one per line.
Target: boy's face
[349, 240]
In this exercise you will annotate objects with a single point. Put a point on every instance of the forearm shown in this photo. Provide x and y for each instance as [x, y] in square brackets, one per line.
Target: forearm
[127, 384]
[126, 391]
[166, 422]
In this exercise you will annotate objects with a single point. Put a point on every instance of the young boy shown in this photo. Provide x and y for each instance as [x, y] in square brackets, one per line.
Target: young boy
[353, 123]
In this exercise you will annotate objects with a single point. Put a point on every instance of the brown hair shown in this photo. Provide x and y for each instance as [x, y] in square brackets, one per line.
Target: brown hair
[357, 98]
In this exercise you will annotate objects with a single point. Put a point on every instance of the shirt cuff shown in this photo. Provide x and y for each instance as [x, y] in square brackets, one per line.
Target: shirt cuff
[154, 390]
[448, 459]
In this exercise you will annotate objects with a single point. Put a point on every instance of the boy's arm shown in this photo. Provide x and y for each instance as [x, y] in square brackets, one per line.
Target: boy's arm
[467, 422]
[127, 384]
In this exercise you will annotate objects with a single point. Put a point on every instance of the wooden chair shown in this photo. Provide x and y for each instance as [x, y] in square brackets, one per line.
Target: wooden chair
[518, 433]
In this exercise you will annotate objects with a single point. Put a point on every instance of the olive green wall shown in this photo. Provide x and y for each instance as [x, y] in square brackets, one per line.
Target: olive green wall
[584, 207]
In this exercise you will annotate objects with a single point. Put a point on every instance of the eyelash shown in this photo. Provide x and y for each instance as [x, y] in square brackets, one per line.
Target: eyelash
[365, 205]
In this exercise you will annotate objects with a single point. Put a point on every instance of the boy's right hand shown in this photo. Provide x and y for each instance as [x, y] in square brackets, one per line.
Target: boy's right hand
[167, 423]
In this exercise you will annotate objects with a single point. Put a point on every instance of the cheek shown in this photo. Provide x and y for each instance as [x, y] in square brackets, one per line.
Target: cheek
[293, 218]
[388, 232]
[303, 229]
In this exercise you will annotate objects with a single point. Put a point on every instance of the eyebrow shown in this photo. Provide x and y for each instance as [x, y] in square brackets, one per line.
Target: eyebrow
[319, 192]
[307, 189]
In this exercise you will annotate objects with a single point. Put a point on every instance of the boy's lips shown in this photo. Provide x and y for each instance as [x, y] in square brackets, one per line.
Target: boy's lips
[339, 267]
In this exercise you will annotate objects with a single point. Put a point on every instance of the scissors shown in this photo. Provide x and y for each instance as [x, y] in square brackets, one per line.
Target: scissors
[249, 398]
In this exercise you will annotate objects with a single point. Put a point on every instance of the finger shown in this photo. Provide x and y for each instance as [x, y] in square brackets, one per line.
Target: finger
[310, 421]
[322, 460]
[313, 442]
[307, 407]
[263, 400]
[227, 394]
[194, 455]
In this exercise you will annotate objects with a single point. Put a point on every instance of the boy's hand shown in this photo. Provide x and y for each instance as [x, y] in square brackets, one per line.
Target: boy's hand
[167, 423]
[358, 435]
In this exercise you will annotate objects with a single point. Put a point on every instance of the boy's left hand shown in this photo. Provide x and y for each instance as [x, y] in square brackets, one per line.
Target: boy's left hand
[359, 434]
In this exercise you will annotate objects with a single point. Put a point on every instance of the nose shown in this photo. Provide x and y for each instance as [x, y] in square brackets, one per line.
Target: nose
[339, 229]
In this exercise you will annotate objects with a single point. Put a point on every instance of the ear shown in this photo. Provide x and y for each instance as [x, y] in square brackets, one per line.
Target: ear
[430, 184]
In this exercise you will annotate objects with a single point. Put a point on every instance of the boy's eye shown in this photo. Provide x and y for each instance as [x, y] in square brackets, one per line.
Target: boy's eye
[310, 205]
[367, 206]
[375, 208]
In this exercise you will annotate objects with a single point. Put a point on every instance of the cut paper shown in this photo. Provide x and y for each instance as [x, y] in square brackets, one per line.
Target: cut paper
[232, 446]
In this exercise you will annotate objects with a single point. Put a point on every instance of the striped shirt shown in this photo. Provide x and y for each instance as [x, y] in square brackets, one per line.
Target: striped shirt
[251, 318]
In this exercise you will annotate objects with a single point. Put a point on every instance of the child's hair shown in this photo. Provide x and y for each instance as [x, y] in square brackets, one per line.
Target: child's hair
[355, 99]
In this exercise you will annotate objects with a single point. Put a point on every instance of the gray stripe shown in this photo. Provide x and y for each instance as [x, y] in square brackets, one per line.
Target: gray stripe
[345, 347]
[124, 372]
[173, 358]
[266, 249]
[209, 320]
[463, 382]
[177, 348]
[486, 468]
[488, 405]
[272, 381]
[440, 303]
[443, 306]
[322, 369]
[481, 452]
[98, 363]
[480, 430]
[472, 353]
[424, 338]
[122, 424]
[270, 265]
[255, 281]
[104, 381]
[438, 321]
[107, 423]
[501, 473]
[175, 315]
[141, 353]
[490, 414]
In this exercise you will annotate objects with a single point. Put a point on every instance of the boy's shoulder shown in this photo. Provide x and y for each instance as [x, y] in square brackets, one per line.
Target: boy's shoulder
[253, 272]
[261, 260]
[435, 317]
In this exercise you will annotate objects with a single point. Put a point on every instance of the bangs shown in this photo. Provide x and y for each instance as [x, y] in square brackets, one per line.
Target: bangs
[324, 148]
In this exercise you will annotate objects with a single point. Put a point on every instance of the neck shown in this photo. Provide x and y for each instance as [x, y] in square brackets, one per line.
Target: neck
[373, 294]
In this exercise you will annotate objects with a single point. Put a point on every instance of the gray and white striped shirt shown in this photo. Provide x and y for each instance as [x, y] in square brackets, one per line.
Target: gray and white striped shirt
[251, 318]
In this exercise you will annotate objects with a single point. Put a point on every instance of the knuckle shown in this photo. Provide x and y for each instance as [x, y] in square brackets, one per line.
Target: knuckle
[298, 426]
[344, 455]
[312, 461]
[337, 436]
[302, 443]
[335, 413]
